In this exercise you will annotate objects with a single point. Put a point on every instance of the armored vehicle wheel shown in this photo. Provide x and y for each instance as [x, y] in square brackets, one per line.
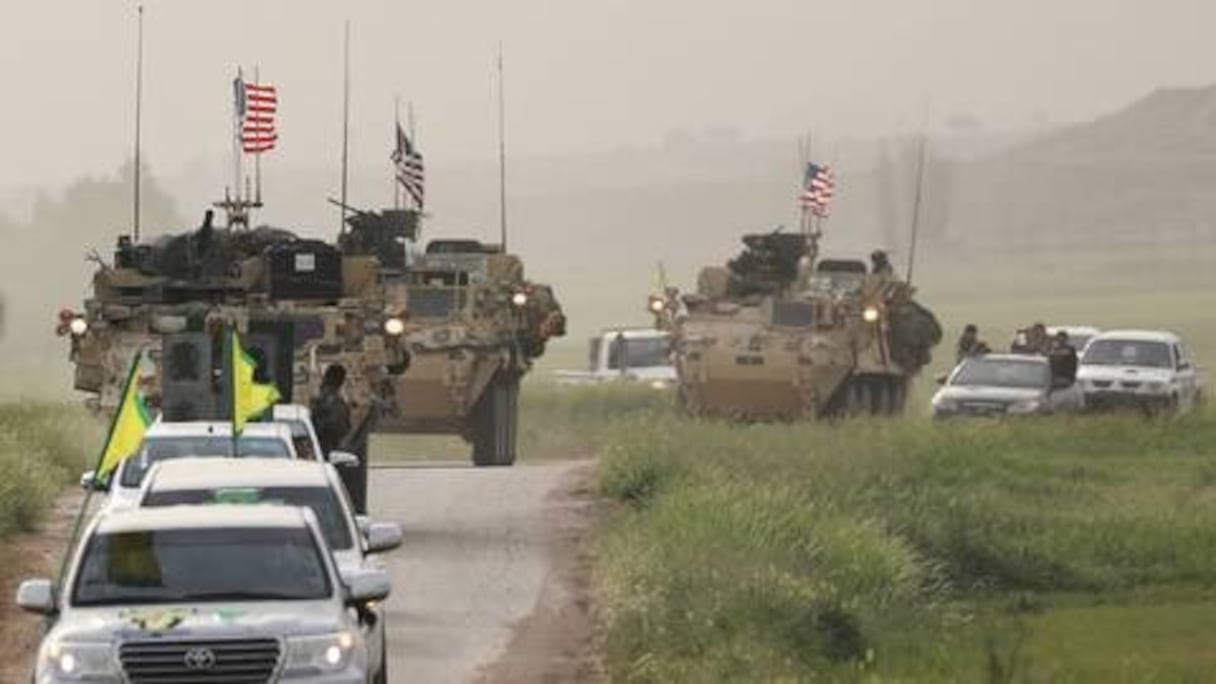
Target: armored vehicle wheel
[496, 423]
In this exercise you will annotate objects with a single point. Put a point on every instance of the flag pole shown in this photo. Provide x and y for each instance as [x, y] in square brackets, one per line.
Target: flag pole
[916, 200]
[502, 154]
[396, 127]
[236, 142]
[345, 122]
[257, 158]
[139, 98]
[230, 366]
[88, 494]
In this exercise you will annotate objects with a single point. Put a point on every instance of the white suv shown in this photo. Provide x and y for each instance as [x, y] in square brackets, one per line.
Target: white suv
[1142, 369]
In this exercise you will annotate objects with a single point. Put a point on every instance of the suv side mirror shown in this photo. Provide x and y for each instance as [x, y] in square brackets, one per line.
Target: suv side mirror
[366, 585]
[343, 459]
[364, 523]
[37, 596]
[383, 537]
[89, 481]
[941, 378]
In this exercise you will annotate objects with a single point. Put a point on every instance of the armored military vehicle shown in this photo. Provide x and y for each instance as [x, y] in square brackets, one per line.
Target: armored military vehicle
[782, 334]
[472, 324]
[299, 304]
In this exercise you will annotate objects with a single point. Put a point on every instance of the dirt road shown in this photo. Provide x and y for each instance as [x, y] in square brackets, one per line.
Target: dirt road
[489, 585]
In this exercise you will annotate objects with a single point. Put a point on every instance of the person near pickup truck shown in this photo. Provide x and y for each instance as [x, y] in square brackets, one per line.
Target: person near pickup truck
[1062, 357]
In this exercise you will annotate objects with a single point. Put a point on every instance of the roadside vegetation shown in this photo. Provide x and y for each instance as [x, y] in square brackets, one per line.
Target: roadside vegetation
[1049, 550]
[43, 448]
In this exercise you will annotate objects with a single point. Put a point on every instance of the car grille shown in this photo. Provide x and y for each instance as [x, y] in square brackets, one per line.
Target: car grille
[1130, 385]
[245, 661]
[1102, 384]
[982, 407]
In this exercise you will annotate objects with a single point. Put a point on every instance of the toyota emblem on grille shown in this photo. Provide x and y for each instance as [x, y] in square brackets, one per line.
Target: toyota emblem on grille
[200, 659]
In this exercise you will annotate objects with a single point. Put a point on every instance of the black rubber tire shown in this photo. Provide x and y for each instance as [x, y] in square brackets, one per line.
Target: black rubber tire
[496, 423]
[382, 675]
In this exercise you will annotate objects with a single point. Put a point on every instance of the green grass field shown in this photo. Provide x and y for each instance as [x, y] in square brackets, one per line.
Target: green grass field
[43, 447]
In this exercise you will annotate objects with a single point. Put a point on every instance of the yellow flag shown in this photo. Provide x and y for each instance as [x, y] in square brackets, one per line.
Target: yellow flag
[249, 399]
[127, 430]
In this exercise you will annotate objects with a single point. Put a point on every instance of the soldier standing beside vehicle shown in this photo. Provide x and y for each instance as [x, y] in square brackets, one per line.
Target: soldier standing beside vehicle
[330, 412]
[1063, 357]
[969, 343]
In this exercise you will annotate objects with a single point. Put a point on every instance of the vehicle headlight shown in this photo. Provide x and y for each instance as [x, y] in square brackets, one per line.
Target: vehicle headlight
[319, 654]
[870, 314]
[1026, 406]
[657, 304]
[658, 384]
[944, 404]
[519, 298]
[394, 326]
[78, 662]
[78, 326]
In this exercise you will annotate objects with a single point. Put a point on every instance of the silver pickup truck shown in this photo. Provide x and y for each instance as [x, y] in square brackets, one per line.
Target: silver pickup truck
[200, 594]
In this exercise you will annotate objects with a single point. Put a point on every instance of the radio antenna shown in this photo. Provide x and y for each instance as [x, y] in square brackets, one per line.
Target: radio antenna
[139, 97]
[502, 155]
[345, 123]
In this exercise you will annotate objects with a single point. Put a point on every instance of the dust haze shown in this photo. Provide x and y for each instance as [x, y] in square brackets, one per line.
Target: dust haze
[638, 132]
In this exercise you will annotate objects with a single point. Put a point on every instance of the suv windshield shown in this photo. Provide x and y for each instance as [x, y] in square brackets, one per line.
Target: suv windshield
[321, 500]
[192, 565]
[164, 448]
[639, 352]
[1002, 373]
[1128, 353]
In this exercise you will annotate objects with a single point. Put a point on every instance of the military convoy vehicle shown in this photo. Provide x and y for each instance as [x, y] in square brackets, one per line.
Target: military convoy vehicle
[782, 334]
[471, 323]
[432, 342]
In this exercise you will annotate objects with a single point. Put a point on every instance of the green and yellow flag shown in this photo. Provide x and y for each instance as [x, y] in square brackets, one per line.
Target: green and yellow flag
[131, 421]
[249, 398]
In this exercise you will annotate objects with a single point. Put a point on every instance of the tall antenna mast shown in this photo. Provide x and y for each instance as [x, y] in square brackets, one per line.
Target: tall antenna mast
[139, 98]
[916, 200]
[345, 122]
[502, 155]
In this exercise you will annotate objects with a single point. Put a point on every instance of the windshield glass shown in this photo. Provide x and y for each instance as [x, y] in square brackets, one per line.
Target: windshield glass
[638, 353]
[163, 448]
[1128, 353]
[1002, 373]
[190, 565]
[321, 500]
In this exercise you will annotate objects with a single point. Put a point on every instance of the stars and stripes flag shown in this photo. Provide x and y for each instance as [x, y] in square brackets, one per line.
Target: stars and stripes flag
[411, 174]
[256, 106]
[817, 187]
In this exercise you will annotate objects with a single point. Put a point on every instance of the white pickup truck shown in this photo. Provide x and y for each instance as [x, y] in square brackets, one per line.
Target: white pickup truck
[626, 354]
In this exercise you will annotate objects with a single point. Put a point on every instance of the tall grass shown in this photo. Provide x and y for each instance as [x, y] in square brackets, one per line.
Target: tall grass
[780, 552]
[43, 447]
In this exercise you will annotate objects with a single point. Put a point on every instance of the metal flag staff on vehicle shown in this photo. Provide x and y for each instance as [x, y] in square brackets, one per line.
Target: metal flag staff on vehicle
[250, 398]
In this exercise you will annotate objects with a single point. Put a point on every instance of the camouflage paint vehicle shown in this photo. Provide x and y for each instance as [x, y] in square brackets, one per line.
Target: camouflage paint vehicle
[472, 324]
[299, 304]
[780, 334]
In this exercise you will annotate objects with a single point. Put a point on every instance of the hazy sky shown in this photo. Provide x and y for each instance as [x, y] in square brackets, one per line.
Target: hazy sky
[581, 75]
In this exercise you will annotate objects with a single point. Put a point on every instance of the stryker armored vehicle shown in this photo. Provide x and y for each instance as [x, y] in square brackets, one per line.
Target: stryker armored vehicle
[472, 324]
[299, 304]
[781, 334]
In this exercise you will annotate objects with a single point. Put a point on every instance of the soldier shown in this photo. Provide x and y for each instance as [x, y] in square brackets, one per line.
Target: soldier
[1063, 357]
[969, 343]
[880, 264]
[1037, 340]
[330, 412]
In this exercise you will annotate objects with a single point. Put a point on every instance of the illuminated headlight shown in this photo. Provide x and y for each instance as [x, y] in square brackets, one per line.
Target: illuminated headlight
[656, 304]
[78, 326]
[78, 662]
[519, 298]
[870, 314]
[658, 384]
[1026, 406]
[319, 654]
[394, 326]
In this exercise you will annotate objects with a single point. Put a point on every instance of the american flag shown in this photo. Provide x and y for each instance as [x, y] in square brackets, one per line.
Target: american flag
[410, 172]
[817, 186]
[256, 106]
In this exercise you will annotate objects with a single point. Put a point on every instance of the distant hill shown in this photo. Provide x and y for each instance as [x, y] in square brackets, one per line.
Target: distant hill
[1146, 173]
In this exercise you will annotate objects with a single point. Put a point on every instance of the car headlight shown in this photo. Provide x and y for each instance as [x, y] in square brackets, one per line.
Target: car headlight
[944, 404]
[78, 662]
[519, 298]
[319, 654]
[657, 304]
[78, 326]
[1026, 406]
[870, 314]
[394, 326]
